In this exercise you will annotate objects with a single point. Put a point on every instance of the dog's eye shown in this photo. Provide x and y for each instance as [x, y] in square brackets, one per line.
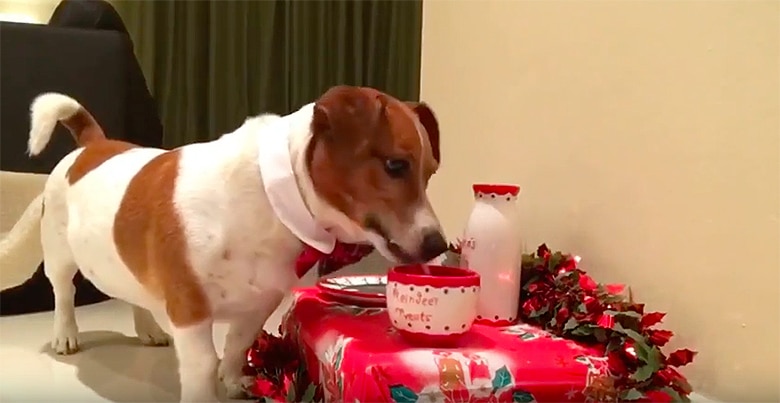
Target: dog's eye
[396, 168]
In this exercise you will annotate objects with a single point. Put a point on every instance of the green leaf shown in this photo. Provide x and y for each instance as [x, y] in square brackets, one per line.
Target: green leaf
[676, 397]
[400, 393]
[308, 395]
[601, 334]
[530, 281]
[555, 260]
[629, 332]
[570, 324]
[572, 277]
[581, 308]
[615, 343]
[339, 356]
[502, 378]
[521, 396]
[630, 314]
[290, 394]
[540, 312]
[528, 336]
[631, 394]
[644, 372]
[584, 330]
[682, 384]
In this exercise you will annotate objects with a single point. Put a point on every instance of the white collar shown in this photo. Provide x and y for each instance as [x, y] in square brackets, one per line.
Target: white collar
[276, 169]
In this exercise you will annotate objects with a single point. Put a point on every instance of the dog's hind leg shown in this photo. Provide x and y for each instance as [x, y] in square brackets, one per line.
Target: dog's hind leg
[60, 268]
[147, 328]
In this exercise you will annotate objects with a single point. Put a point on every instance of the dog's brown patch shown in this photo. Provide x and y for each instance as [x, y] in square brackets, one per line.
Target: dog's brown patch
[355, 130]
[95, 154]
[84, 127]
[150, 238]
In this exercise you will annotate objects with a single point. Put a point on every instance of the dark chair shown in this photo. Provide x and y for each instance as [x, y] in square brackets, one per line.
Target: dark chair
[98, 68]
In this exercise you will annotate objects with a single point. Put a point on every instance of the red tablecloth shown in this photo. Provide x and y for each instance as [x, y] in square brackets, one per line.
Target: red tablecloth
[358, 356]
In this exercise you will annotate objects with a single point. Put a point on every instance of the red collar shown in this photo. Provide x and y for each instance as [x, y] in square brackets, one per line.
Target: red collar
[343, 254]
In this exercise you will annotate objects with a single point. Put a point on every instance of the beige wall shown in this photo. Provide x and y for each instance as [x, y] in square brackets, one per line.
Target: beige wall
[645, 136]
[32, 11]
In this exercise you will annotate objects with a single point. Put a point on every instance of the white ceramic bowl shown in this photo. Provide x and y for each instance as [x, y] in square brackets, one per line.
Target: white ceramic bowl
[433, 307]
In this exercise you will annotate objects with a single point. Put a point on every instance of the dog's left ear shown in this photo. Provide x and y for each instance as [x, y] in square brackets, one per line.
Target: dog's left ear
[431, 125]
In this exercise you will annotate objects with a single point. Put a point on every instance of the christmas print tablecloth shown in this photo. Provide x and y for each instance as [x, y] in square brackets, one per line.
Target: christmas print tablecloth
[357, 356]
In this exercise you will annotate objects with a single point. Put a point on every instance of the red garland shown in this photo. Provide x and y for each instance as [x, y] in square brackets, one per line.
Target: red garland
[556, 296]
[280, 374]
[561, 298]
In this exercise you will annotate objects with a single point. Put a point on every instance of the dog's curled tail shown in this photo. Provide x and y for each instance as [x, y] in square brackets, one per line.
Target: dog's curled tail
[22, 245]
[48, 109]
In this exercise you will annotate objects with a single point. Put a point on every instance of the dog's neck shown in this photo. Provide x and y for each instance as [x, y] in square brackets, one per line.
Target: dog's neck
[325, 215]
[281, 159]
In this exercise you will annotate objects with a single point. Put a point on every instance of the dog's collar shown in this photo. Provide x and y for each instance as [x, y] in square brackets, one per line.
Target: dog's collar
[283, 193]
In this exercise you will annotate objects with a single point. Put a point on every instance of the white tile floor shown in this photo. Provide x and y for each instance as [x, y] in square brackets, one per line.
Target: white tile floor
[111, 366]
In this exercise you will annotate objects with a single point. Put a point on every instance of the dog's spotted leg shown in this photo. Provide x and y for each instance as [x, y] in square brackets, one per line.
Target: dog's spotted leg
[197, 357]
[242, 332]
[65, 328]
[147, 329]
[59, 267]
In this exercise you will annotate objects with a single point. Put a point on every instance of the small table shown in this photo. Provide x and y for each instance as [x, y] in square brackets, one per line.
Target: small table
[358, 356]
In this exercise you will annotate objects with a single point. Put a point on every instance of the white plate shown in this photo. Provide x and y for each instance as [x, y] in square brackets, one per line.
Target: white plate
[363, 290]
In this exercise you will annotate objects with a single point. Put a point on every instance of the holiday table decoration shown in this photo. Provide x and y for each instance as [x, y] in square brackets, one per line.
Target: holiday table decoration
[491, 247]
[580, 341]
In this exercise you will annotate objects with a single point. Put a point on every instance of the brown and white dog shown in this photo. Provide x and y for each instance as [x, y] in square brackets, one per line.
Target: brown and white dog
[198, 234]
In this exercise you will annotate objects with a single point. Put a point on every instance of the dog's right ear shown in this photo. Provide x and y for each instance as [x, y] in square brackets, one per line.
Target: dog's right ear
[320, 124]
[430, 123]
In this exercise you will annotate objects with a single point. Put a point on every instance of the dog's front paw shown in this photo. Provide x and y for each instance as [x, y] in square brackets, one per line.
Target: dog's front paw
[236, 383]
[66, 342]
[147, 329]
[238, 388]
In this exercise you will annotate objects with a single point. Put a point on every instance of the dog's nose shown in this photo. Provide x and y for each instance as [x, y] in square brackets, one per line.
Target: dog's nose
[433, 245]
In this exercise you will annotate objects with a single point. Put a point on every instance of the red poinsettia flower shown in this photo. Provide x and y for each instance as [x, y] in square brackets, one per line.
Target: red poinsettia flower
[543, 252]
[652, 319]
[615, 289]
[666, 376]
[606, 321]
[656, 396]
[680, 357]
[587, 283]
[659, 337]
[265, 388]
[562, 316]
[616, 363]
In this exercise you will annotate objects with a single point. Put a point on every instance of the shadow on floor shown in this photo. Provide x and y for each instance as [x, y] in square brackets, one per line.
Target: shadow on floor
[120, 369]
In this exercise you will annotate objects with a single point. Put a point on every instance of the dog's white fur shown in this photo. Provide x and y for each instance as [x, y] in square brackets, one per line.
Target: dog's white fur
[220, 198]
[46, 110]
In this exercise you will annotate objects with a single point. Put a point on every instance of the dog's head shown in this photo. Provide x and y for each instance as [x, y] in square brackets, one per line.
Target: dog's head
[370, 159]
